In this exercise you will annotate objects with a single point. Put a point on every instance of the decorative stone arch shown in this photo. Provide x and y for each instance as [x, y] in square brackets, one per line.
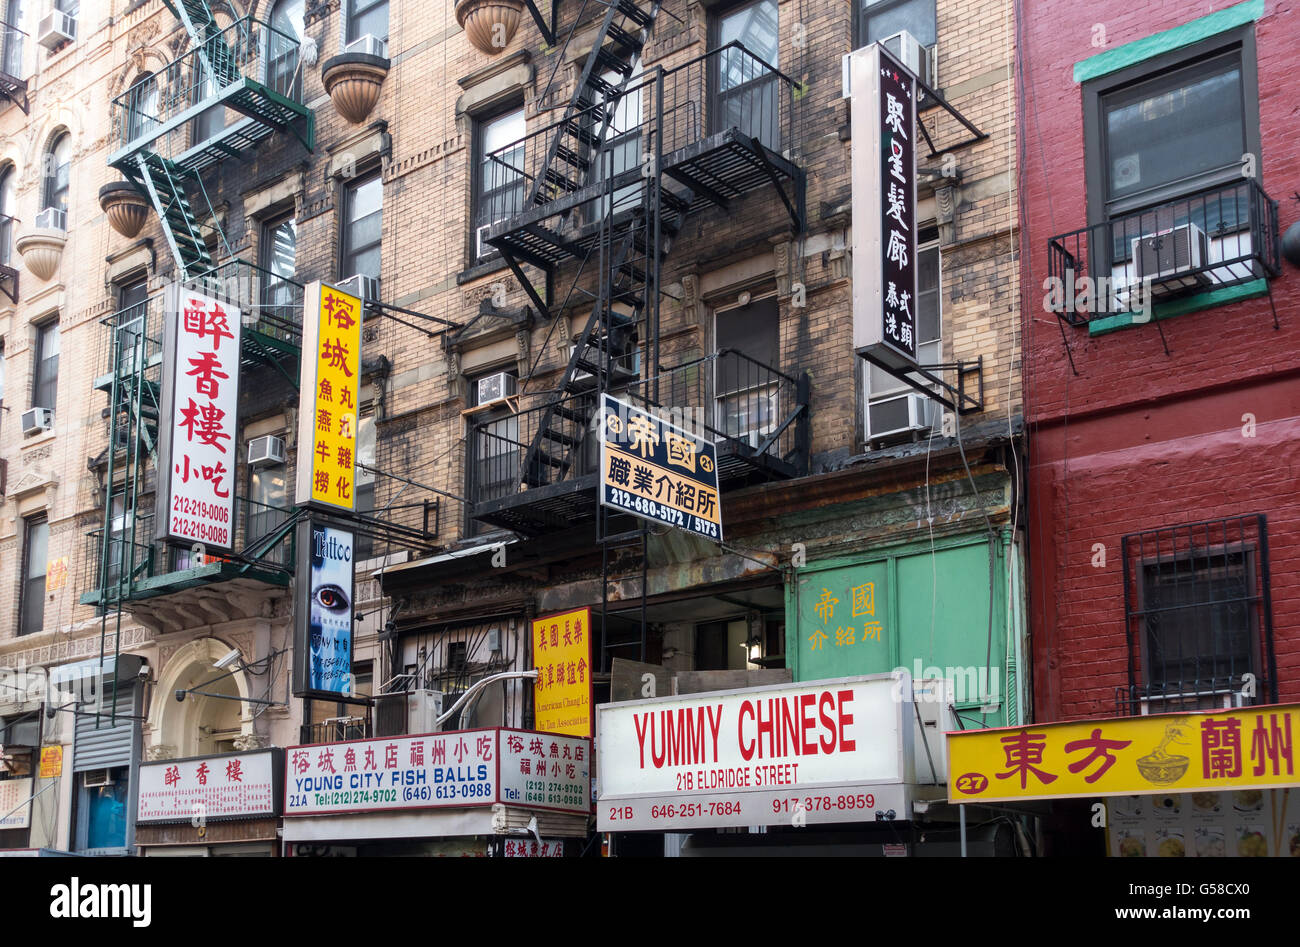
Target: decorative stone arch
[152, 59]
[61, 118]
[196, 726]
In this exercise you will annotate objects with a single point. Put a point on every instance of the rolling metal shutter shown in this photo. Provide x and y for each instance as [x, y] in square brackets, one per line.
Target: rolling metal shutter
[107, 745]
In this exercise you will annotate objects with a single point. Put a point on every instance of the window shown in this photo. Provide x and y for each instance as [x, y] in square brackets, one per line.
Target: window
[36, 537]
[622, 151]
[142, 107]
[746, 92]
[279, 261]
[56, 170]
[8, 198]
[881, 19]
[365, 482]
[46, 368]
[748, 341]
[11, 61]
[495, 453]
[363, 209]
[102, 810]
[367, 16]
[268, 502]
[1198, 614]
[892, 406]
[499, 174]
[282, 45]
[122, 517]
[132, 312]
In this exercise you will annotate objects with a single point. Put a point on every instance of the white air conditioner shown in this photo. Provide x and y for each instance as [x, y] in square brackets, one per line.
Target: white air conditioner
[37, 419]
[482, 249]
[908, 50]
[1169, 256]
[96, 777]
[365, 288]
[622, 367]
[1196, 700]
[369, 45]
[265, 450]
[56, 29]
[52, 218]
[494, 388]
[423, 710]
[905, 413]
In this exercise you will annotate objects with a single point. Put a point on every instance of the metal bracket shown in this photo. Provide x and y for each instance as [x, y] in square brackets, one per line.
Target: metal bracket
[976, 134]
[957, 397]
[548, 32]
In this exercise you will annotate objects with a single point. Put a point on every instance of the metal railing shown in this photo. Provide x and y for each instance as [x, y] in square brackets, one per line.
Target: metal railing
[727, 88]
[338, 729]
[248, 48]
[1198, 608]
[131, 554]
[742, 405]
[1220, 236]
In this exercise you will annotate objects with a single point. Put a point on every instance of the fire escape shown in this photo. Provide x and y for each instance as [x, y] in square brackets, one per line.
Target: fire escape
[168, 131]
[601, 195]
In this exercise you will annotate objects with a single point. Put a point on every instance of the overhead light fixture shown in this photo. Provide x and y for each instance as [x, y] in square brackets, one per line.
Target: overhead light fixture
[227, 659]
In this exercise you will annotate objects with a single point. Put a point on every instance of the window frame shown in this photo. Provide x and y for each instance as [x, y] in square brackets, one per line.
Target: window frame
[713, 80]
[1096, 148]
[50, 327]
[473, 461]
[347, 251]
[30, 523]
[51, 191]
[860, 17]
[351, 14]
[8, 198]
[479, 154]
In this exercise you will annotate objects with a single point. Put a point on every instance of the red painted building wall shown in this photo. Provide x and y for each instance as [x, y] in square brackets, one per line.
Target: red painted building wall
[1141, 439]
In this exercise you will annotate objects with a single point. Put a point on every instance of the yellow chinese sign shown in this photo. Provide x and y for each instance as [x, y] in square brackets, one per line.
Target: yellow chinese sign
[56, 573]
[51, 761]
[562, 656]
[1251, 747]
[331, 385]
[657, 471]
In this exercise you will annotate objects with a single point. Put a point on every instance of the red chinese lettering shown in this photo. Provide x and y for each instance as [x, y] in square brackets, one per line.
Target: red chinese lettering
[1272, 743]
[1101, 749]
[205, 423]
[1221, 748]
[206, 371]
[1024, 753]
[200, 322]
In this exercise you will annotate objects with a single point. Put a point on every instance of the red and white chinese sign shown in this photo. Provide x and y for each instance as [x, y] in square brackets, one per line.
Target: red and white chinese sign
[519, 848]
[201, 406]
[822, 751]
[331, 387]
[210, 787]
[440, 770]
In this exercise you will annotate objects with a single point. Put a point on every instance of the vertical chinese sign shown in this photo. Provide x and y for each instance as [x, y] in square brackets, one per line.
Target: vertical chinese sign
[562, 656]
[199, 424]
[323, 582]
[658, 471]
[884, 200]
[330, 386]
[844, 626]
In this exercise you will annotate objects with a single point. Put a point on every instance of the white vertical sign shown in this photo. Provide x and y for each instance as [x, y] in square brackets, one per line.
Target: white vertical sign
[199, 431]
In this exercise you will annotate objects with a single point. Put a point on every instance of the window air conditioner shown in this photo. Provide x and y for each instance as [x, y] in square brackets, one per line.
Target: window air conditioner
[621, 367]
[908, 50]
[52, 218]
[369, 44]
[365, 288]
[265, 450]
[1173, 256]
[495, 387]
[56, 29]
[423, 710]
[482, 248]
[1196, 700]
[407, 712]
[37, 419]
[96, 777]
[903, 414]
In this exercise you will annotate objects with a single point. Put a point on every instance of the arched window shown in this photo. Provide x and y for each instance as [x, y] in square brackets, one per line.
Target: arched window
[8, 186]
[56, 169]
[284, 40]
[142, 106]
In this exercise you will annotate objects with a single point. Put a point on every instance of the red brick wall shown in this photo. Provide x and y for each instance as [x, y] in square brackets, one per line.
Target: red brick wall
[1139, 439]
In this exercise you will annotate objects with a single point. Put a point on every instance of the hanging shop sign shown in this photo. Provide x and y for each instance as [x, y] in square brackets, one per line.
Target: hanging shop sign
[461, 768]
[323, 591]
[884, 207]
[1250, 748]
[15, 803]
[51, 761]
[791, 754]
[200, 408]
[562, 656]
[231, 786]
[330, 386]
[658, 471]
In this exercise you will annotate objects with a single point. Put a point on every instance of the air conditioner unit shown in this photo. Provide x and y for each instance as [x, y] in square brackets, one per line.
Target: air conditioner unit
[495, 387]
[37, 419]
[482, 249]
[96, 777]
[908, 50]
[423, 710]
[369, 44]
[365, 288]
[265, 450]
[407, 712]
[56, 29]
[621, 367]
[52, 218]
[1172, 256]
[1197, 700]
[903, 414]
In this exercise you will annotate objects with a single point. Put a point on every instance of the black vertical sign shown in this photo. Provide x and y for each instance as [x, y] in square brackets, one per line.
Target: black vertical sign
[898, 206]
